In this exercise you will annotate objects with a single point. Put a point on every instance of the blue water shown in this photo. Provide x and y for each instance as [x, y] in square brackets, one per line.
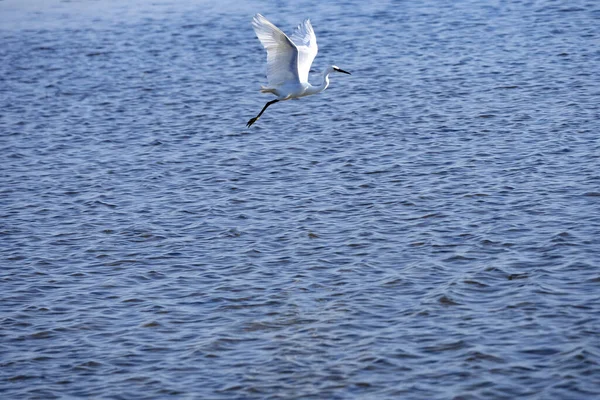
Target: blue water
[427, 228]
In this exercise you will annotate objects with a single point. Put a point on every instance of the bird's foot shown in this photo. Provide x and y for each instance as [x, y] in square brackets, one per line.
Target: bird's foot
[252, 121]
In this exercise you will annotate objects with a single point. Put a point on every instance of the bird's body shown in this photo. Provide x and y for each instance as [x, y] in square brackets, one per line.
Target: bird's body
[293, 90]
[289, 61]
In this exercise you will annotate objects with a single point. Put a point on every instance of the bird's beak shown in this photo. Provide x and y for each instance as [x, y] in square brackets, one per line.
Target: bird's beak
[343, 72]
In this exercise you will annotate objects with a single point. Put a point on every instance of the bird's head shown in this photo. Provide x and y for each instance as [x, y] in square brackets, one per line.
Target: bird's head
[338, 69]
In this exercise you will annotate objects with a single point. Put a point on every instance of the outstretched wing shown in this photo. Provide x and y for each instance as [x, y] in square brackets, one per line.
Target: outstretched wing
[305, 40]
[282, 54]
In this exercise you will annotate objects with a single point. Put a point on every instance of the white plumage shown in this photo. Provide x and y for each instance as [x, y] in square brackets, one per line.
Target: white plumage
[289, 61]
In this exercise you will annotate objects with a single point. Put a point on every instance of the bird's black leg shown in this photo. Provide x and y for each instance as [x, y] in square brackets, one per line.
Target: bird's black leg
[253, 120]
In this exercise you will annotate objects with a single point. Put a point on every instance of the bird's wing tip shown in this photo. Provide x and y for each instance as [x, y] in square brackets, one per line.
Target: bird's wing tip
[258, 19]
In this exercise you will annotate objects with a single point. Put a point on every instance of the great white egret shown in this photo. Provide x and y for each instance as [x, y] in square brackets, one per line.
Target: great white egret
[288, 61]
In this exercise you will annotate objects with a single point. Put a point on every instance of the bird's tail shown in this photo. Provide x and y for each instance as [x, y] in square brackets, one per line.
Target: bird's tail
[264, 89]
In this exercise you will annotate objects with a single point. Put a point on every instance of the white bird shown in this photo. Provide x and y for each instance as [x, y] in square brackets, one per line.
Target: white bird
[288, 61]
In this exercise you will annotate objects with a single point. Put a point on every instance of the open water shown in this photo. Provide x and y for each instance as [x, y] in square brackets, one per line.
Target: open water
[427, 228]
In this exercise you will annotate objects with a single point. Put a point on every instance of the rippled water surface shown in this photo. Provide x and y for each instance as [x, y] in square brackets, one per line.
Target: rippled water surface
[427, 228]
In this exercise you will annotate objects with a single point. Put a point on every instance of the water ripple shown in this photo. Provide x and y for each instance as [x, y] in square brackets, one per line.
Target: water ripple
[426, 228]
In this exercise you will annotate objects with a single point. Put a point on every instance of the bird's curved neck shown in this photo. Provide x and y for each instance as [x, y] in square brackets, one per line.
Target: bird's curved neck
[324, 83]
